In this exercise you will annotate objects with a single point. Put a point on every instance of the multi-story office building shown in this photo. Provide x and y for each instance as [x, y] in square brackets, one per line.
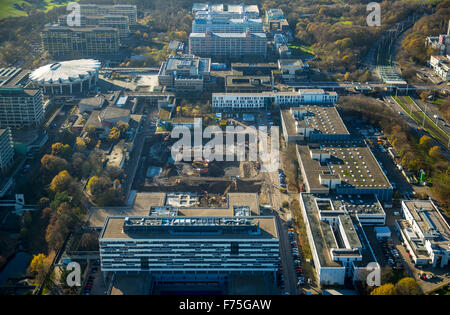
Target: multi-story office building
[255, 101]
[74, 42]
[184, 73]
[129, 11]
[174, 238]
[233, 11]
[114, 21]
[339, 246]
[20, 105]
[209, 44]
[6, 149]
[425, 233]
[226, 25]
[189, 244]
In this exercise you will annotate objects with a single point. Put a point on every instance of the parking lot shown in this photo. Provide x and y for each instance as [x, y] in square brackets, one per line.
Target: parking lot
[94, 284]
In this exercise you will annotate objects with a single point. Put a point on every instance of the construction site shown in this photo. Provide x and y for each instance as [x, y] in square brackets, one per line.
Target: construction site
[212, 180]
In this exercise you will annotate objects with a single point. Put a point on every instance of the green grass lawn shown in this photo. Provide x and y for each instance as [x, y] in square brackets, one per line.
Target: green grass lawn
[7, 10]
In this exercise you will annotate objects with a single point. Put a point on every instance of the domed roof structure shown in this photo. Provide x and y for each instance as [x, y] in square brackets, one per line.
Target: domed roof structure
[66, 72]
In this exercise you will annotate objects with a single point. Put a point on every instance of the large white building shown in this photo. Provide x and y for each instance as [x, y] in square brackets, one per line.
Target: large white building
[233, 11]
[339, 246]
[170, 237]
[441, 66]
[189, 244]
[67, 77]
[210, 44]
[425, 233]
[127, 10]
[226, 25]
[255, 101]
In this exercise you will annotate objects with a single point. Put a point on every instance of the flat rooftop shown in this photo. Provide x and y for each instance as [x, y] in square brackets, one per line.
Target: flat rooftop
[351, 161]
[143, 202]
[248, 81]
[430, 221]
[114, 228]
[228, 35]
[291, 63]
[323, 119]
[13, 77]
[326, 239]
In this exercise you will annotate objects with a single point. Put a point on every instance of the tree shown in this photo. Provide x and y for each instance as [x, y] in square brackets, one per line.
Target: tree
[61, 181]
[114, 134]
[39, 266]
[435, 152]
[385, 289]
[123, 127]
[61, 150]
[408, 286]
[80, 144]
[425, 141]
[53, 164]
[89, 241]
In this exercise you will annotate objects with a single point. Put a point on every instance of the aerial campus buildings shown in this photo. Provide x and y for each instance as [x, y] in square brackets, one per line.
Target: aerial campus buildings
[184, 73]
[220, 30]
[425, 232]
[210, 44]
[170, 237]
[21, 105]
[101, 31]
[63, 41]
[255, 101]
[338, 242]
[67, 77]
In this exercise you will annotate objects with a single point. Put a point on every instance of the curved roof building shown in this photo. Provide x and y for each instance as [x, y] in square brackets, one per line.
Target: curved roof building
[67, 76]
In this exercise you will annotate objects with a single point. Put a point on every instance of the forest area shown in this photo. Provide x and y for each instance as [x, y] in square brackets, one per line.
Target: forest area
[336, 33]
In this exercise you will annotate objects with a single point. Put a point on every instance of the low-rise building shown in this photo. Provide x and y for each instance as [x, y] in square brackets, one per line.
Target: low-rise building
[339, 246]
[247, 84]
[264, 100]
[342, 167]
[313, 123]
[254, 68]
[441, 66]
[185, 73]
[425, 233]
[292, 70]
[91, 103]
